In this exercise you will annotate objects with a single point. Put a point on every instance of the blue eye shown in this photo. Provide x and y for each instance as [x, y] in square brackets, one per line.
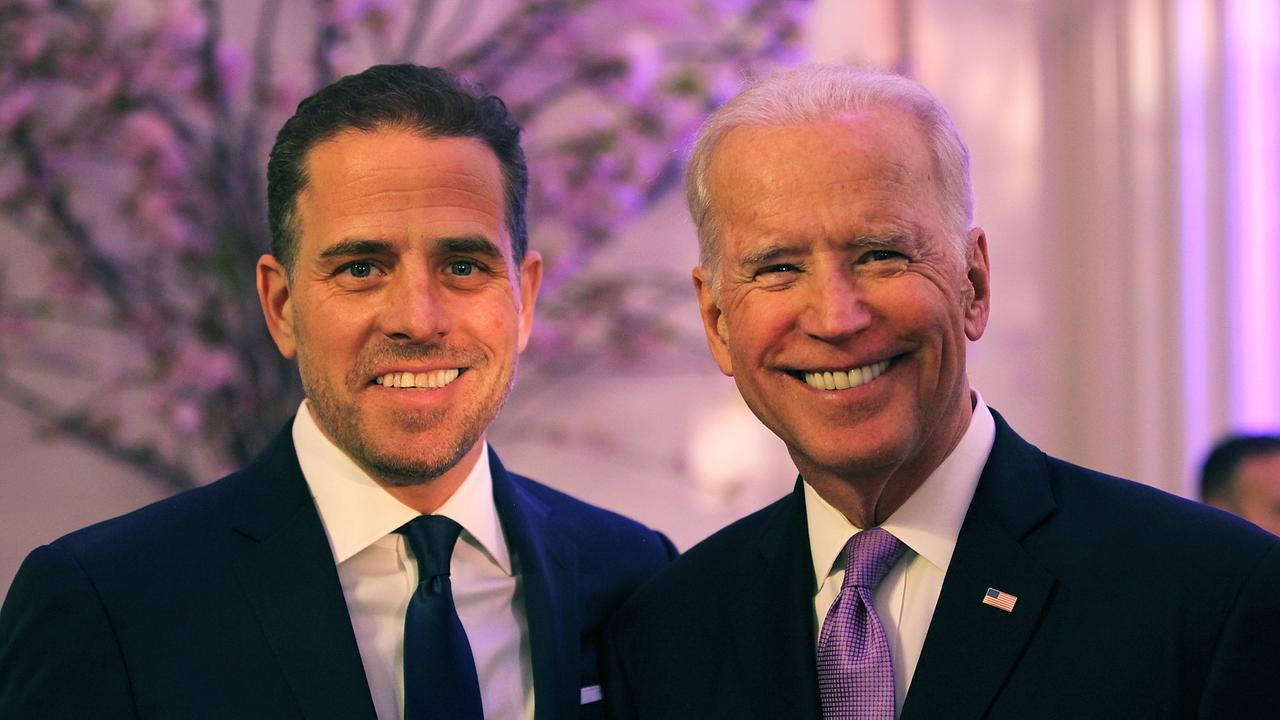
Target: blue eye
[360, 269]
[882, 255]
[462, 267]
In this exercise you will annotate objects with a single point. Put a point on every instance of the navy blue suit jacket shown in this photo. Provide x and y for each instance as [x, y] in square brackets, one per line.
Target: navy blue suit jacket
[1131, 603]
[224, 602]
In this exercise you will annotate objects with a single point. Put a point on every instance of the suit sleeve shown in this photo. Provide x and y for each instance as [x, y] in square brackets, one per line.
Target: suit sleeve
[1242, 676]
[59, 657]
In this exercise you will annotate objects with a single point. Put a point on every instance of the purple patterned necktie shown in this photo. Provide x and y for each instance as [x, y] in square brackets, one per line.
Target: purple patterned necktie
[855, 669]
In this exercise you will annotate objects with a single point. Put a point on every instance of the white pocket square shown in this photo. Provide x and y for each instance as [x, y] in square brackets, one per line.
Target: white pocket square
[591, 694]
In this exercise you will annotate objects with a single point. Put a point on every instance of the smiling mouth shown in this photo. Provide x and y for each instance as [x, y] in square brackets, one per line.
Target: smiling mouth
[844, 379]
[426, 380]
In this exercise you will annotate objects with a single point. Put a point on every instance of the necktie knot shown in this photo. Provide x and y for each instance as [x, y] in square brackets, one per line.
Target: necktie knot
[868, 557]
[431, 537]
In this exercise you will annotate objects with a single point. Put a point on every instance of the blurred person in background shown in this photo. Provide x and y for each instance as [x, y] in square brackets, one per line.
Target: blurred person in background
[1241, 475]
[376, 560]
[930, 563]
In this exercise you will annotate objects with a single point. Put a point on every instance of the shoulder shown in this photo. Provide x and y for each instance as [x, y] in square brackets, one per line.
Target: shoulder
[1147, 516]
[593, 529]
[171, 523]
[74, 591]
[692, 584]
[728, 549]
[1101, 513]
[187, 523]
[1099, 524]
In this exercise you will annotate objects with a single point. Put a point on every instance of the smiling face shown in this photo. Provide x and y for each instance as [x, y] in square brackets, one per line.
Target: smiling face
[404, 307]
[843, 303]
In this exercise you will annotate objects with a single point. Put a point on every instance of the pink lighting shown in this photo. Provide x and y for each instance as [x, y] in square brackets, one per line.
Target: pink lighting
[1193, 54]
[1253, 115]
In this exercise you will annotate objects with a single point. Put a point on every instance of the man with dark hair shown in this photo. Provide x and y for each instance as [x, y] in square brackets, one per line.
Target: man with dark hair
[375, 560]
[930, 563]
[1242, 476]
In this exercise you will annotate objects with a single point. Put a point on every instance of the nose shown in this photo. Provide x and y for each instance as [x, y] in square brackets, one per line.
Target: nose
[417, 307]
[835, 307]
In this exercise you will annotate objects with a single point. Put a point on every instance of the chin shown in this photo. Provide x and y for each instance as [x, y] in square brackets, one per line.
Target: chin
[407, 471]
[861, 459]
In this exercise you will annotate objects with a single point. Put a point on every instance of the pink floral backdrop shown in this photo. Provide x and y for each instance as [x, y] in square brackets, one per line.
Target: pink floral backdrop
[134, 148]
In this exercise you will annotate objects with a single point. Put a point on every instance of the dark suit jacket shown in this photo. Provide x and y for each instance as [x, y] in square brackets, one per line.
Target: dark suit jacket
[225, 602]
[1131, 603]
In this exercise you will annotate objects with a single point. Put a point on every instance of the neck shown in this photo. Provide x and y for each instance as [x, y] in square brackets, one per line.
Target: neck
[426, 497]
[865, 500]
[868, 496]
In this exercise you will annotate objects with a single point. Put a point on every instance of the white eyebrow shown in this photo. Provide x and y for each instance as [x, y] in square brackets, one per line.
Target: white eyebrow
[770, 253]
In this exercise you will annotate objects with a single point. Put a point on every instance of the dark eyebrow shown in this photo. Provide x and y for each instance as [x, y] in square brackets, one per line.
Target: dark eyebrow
[470, 245]
[349, 248]
[464, 244]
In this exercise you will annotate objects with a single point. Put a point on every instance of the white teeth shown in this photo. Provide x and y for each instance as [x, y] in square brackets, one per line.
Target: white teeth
[840, 379]
[433, 379]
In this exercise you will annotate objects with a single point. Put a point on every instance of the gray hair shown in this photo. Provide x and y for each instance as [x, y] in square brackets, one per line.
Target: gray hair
[820, 92]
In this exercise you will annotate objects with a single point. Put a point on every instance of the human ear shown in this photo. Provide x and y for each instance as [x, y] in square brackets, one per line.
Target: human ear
[277, 303]
[530, 281]
[713, 320]
[978, 284]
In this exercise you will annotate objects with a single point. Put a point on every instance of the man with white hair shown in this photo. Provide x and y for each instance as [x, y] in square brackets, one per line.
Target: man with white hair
[930, 563]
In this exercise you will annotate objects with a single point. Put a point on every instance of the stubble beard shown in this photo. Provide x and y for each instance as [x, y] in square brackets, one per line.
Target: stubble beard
[341, 420]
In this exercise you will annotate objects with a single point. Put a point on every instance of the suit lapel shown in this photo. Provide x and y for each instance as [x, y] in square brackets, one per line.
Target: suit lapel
[286, 568]
[549, 584]
[972, 647]
[772, 608]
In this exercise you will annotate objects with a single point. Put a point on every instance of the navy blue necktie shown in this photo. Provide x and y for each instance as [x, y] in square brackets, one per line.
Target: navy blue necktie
[439, 671]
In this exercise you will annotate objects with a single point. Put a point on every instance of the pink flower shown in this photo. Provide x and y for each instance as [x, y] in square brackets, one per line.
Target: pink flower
[15, 106]
[185, 418]
[287, 92]
[182, 25]
[149, 140]
[232, 67]
[379, 14]
[206, 367]
[644, 64]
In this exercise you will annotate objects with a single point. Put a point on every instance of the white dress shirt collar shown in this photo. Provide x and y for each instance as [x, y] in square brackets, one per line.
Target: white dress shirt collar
[929, 521]
[356, 511]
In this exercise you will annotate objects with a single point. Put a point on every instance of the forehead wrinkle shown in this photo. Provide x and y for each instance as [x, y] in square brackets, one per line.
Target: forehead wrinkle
[429, 196]
[878, 195]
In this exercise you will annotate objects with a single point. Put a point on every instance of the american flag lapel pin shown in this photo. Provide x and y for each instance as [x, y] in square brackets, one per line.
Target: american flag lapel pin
[998, 599]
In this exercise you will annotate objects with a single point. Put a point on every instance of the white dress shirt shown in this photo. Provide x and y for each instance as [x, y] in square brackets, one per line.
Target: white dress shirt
[379, 574]
[928, 523]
